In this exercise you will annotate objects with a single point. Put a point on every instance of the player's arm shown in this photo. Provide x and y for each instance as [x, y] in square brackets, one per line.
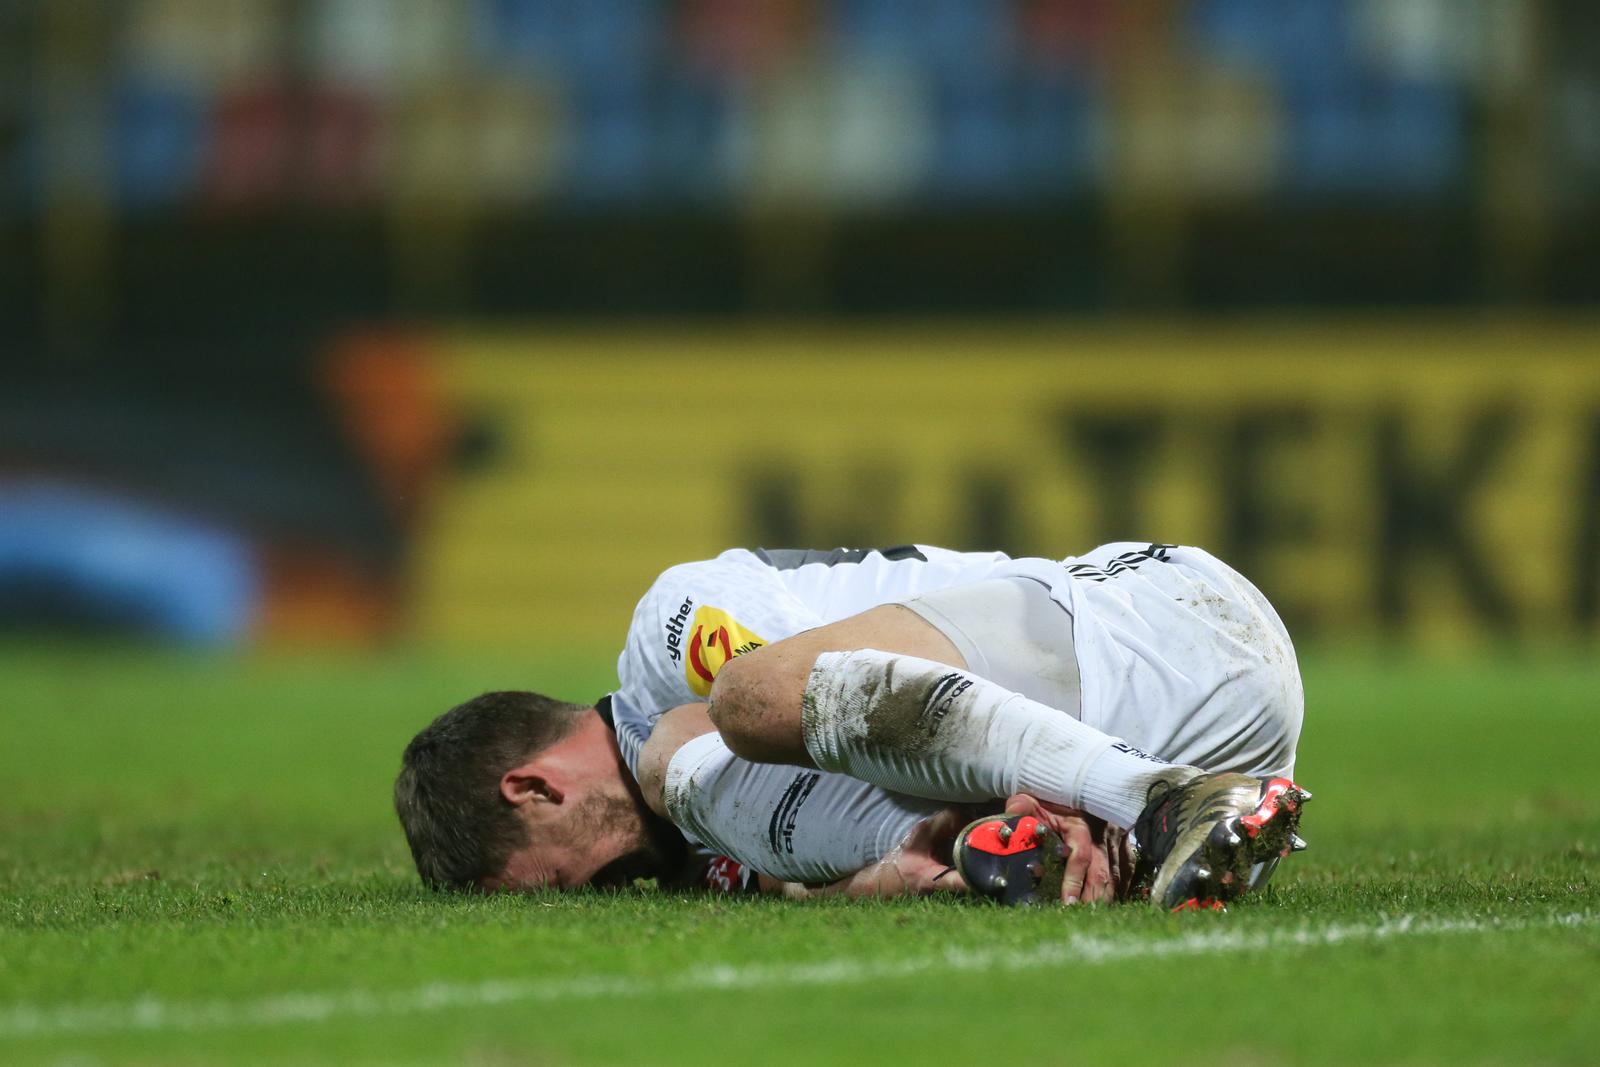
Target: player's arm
[814, 830]
[672, 731]
[912, 869]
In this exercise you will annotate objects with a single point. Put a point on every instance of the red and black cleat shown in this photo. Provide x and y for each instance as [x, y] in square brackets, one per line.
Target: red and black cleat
[1011, 859]
[1213, 838]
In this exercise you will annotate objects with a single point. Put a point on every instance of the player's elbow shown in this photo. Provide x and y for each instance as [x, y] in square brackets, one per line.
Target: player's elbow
[743, 709]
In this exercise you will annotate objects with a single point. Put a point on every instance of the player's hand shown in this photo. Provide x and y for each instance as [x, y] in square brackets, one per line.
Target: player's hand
[1096, 853]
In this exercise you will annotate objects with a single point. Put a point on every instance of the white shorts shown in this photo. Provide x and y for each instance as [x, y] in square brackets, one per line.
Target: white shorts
[1163, 646]
[1012, 632]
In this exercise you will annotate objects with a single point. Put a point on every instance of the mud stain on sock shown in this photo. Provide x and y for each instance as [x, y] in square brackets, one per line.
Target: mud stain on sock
[907, 718]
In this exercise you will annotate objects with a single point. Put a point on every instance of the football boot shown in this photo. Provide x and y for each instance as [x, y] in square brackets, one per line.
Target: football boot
[1011, 859]
[1209, 839]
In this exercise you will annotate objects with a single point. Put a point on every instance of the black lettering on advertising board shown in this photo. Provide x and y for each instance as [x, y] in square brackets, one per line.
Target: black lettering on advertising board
[1117, 451]
[1419, 518]
[1423, 510]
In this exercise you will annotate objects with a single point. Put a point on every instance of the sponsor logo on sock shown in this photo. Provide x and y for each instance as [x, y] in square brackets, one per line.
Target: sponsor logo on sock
[1137, 753]
[780, 830]
[940, 700]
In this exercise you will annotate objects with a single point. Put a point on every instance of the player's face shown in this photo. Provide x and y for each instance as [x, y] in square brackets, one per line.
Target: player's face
[600, 840]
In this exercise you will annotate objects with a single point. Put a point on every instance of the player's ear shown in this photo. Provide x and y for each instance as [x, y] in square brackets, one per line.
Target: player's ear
[524, 784]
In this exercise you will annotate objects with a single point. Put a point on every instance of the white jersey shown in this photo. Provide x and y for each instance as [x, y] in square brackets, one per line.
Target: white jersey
[697, 616]
[1177, 654]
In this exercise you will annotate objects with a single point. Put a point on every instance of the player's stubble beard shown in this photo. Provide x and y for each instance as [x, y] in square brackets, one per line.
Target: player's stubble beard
[654, 848]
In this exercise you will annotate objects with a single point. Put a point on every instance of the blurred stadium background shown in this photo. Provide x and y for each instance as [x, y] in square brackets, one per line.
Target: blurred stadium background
[451, 322]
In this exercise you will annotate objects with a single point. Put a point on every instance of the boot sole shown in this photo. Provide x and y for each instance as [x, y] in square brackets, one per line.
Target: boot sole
[1013, 860]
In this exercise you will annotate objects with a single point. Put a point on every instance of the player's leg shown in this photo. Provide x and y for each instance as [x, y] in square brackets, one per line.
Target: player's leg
[845, 698]
[755, 699]
[1223, 714]
[884, 697]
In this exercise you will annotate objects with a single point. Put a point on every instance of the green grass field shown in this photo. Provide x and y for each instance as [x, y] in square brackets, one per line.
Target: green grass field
[198, 864]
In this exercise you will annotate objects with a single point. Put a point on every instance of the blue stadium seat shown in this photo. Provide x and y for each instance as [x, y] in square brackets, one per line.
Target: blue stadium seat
[158, 139]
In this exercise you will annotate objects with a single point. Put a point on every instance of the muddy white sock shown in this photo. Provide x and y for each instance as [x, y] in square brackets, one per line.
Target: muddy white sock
[1116, 783]
[923, 728]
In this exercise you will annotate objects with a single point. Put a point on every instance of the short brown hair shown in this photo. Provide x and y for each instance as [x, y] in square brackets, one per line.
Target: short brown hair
[448, 792]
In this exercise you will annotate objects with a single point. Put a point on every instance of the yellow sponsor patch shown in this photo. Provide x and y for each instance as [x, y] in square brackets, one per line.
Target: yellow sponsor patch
[714, 639]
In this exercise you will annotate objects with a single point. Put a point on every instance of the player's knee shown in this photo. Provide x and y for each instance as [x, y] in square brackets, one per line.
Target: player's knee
[741, 705]
[734, 699]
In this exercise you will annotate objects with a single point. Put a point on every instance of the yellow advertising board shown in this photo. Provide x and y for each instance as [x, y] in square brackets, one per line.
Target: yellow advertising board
[1436, 483]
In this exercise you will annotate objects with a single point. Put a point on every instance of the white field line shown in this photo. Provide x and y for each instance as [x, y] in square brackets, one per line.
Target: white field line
[153, 1014]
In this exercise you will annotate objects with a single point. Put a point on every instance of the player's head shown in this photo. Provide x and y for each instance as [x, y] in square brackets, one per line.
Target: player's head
[513, 790]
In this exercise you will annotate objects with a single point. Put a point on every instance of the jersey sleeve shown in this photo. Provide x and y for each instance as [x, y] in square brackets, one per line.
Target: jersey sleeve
[692, 621]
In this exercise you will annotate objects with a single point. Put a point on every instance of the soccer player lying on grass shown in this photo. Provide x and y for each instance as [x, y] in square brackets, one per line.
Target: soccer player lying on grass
[825, 721]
